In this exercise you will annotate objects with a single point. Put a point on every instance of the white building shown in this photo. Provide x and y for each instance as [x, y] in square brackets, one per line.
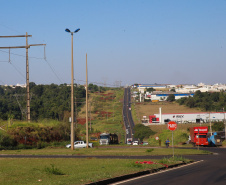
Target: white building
[192, 117]
[162, 96]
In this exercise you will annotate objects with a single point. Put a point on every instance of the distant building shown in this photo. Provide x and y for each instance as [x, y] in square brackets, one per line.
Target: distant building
[162, 96]
[198, 117]
[143, 87]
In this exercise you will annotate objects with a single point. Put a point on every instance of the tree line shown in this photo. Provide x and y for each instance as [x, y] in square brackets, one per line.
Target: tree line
[47, 101]
[206, 101]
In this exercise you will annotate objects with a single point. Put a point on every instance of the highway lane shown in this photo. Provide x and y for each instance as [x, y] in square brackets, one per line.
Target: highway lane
[210, 169]
[127, 116]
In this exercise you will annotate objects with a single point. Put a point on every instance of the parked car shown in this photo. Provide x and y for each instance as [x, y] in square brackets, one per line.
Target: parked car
[135, 143]
[79, 144]
[144, 143]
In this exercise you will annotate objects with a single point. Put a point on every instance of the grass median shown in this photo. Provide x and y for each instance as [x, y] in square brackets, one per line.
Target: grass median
[70, 171]
[103, 151]
[82, 170]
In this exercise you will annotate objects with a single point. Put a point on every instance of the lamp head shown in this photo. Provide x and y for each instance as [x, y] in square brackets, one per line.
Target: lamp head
[77, 30]
[67, 30]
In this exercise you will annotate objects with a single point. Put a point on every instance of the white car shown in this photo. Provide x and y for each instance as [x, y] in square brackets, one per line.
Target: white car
[79, 144]
[135, 143]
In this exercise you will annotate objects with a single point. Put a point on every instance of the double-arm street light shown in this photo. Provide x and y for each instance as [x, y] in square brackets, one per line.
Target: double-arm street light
[72, 89]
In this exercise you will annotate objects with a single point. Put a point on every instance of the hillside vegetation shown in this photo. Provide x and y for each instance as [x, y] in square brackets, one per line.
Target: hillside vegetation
[104, 114]
[50, 112]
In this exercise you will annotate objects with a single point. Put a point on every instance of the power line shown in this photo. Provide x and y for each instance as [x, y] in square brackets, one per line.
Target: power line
[2, 82]
[99, 83]
[27, 65]
[17, 70]
[53, 71]
[21, 55]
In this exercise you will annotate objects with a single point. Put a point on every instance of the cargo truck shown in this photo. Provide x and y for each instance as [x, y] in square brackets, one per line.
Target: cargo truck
[198, 136]
[108, 138]
[216, 138]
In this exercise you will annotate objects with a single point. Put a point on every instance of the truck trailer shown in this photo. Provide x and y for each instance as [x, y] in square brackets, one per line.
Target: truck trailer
[108, 138]
[216, 138]
[198, 136]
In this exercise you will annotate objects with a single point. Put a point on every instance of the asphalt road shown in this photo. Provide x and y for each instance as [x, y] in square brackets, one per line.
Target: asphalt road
[127, 116]
[208, 170]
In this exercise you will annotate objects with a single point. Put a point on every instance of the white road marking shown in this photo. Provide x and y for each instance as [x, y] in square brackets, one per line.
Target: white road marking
[162, 171]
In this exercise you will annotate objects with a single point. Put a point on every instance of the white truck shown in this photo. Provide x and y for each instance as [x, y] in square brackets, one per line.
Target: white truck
[129, 141]
[80, 144]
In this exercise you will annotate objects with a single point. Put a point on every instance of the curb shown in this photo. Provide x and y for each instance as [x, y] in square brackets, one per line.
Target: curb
[129, 176]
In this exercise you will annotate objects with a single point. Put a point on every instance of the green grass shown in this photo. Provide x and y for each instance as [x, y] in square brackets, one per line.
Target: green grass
[18, 123]
[119, 151]
[71, 171]
[109, 123]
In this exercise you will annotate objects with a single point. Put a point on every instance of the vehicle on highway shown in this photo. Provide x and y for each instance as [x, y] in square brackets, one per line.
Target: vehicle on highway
[129, 141]
[108, 138]
[144, 143]
[79, 144]
[135, 143]
[198, 136]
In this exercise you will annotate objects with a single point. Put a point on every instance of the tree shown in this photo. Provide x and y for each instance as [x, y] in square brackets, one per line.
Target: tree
[190, 102]
[142, 131]
[150, 89]
[47, 101]
[171, 98]
[93, 88]
[218, 126]
[173, 90]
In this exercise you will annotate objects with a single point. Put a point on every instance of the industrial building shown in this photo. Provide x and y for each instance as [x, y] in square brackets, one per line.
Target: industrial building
[199, 117]
[162, 96]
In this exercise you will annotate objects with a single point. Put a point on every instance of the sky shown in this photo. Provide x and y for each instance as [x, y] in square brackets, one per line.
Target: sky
[126, 41]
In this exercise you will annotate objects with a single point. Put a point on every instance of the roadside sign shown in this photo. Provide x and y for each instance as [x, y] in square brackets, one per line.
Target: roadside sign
[172, 125]
[156, 138]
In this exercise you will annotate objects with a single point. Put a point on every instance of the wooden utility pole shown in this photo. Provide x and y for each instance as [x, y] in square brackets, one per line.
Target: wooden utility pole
[210, 125]
[224, 125]
[27, 67]
[27, 83]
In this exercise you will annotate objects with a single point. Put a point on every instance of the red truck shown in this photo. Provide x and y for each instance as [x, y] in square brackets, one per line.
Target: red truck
[199, 136]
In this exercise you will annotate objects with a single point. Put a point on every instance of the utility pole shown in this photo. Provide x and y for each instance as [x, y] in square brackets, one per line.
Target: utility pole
[27, 83]
[210, 125]
[224, 125]
[27, 67]
[87, 128]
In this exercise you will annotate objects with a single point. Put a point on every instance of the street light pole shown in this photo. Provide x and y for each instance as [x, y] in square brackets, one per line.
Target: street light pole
[72, 89]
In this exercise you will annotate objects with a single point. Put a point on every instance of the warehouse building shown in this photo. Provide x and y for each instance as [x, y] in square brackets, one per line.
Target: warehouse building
[199, 117]
[162, 96]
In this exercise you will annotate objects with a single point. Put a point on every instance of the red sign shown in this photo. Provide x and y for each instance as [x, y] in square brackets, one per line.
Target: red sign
[172, 125]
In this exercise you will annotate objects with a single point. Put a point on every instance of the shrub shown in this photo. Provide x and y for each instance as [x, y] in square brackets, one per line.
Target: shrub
[53, 170]
[218, 126]
[6, 140]
[40, 145]
[150, 150]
